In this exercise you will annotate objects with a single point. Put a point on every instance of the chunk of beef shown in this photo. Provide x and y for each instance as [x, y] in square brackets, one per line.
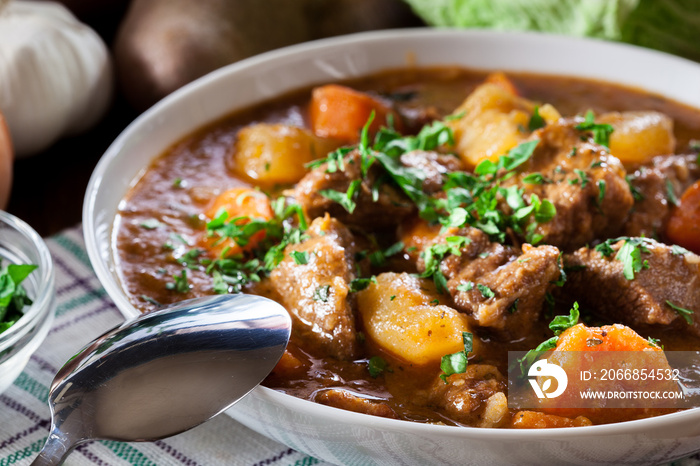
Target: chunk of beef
[390, 206]
[344, 399]
[315, 289]
[670, 276]
[651, 185]
[433, 165]
[475, 398]
[500, 287]
[584, 182]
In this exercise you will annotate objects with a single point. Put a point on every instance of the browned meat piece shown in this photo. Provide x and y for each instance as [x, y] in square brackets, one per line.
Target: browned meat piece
[586, 185]
[433, 165]
[389, 208]
[313, 284]
[345, 399]
[671, 276]
[500, 287]
[475, 398]
[651, 184]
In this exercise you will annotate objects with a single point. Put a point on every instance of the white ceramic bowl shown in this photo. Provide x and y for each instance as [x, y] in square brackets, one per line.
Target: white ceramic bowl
[20, 244]
[345, 437]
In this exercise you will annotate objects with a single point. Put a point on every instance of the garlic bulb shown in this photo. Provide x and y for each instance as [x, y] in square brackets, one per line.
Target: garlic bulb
[55, 74]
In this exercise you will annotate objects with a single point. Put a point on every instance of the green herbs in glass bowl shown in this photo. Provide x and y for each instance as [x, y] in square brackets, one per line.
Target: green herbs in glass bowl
[27, 295]
[13, 296]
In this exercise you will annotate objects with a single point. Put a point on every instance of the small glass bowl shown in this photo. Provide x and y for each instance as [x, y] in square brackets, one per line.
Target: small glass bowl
[20, 244]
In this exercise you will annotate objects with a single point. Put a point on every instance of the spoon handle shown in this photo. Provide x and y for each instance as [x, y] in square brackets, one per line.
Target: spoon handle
[56, 449]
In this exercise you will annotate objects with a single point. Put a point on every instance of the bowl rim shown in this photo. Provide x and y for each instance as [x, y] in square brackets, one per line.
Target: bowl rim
[638, 426]
[42, 302]
[362, 38]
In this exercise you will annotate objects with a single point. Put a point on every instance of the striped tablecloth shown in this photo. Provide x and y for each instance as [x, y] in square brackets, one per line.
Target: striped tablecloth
[84, 312]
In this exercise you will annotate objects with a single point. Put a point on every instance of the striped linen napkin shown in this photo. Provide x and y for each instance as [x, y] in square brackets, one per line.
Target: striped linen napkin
[83, 312]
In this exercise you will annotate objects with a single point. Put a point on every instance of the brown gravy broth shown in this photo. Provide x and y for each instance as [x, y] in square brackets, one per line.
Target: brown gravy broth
[162, 215]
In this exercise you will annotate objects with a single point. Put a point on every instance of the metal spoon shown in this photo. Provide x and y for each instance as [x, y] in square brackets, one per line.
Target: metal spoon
[164, 372]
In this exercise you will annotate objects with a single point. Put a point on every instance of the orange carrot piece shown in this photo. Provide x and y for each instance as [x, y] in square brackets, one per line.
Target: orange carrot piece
[340, 112]
[239, 202]
[683, 226]
[537, 420]
[614, 337]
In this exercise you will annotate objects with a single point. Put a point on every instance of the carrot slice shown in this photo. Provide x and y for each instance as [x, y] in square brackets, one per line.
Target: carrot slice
[683, 226]
[340, 112]
[243, 204]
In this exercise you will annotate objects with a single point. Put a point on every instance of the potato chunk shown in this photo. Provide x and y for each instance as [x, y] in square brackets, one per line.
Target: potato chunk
[495, 120]
[404, 315]
[276, 153]
[640, 136]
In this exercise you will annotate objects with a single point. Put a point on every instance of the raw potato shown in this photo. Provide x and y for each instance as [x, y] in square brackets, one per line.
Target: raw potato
[640, 136]
[410, 326]
[163, 44]
[6, 157]
[276, 153]
[495, 120]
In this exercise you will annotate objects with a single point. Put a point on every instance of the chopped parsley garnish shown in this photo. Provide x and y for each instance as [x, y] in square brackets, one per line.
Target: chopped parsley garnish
[456, 363]
[601, 192]
[180, 283]
[346, 199]
[485, 291]
[561, 323]
[150, 300]
[535, 178]
[322, 293]
[13, 296]
[679, 250]
[513, 308]
[536, 120]
[378, 258]
[376, 366]
[468, 286]
[671, 193]
[582, 178]
[433, 255]
[300, 257]
[359, 284]
[655, 342]
[150, 224]
[637, 195]
[630, 254]
[558, 325]
[231, 272]
[687, 314]
[601, 131]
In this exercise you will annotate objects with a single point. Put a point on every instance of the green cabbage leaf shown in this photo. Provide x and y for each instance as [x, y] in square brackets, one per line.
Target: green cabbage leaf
[668, 25]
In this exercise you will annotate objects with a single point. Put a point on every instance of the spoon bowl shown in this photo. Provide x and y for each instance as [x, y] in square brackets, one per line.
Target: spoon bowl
[165, 372]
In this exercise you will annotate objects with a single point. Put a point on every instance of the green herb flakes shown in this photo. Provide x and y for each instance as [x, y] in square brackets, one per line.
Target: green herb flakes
[536, 120]
[687, 314]
[322, 293]
[300, 257]
[13, 296]
[601, 132]
[456, 363]
[376, 366]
